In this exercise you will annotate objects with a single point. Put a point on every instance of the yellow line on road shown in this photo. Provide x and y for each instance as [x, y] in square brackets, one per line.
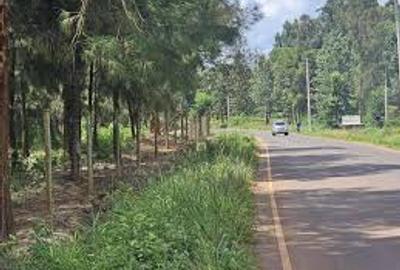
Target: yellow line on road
[279, 233]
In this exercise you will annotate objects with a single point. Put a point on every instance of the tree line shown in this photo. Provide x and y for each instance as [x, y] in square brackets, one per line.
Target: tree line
[352, 50]
[351, 47]
[86, 63]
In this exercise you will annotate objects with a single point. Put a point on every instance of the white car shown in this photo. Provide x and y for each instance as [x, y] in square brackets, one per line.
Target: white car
[280, 127]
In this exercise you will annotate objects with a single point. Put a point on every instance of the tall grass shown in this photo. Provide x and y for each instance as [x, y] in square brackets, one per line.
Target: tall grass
[198, 216]
[388, 136]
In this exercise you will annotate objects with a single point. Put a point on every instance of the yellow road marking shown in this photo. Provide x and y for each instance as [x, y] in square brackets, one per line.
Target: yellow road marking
[280, 236]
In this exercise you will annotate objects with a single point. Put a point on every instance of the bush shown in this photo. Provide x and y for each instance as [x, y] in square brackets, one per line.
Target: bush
[105, 139]
[198, 216]
[30, 170]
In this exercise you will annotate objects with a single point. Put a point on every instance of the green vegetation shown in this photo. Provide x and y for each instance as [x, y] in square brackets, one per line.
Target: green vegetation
[94, 67]
[247, 122]
[198, 216]
[388, 136]
[242, 122]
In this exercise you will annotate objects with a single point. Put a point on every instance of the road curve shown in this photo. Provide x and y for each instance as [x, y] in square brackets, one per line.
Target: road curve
[338, 202]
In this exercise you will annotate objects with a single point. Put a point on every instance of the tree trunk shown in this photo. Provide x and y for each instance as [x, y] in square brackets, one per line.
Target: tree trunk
[200, 126]
[48, 164]
[13, 112]
[90, 132]
[138, 139]
[116, 131]
[186, 127]
[6, 216]
[166, 129]
[72, 115]
[25, 145]
[156, 120]
[95, 120]
[182, 126]
[175, 132]
[132, 118]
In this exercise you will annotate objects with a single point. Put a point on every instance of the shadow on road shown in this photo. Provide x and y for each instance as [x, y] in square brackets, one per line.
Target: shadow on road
[321, 164]
[340, 221]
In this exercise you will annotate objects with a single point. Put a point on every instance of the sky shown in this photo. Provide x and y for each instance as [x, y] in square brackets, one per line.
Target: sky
[261, 35]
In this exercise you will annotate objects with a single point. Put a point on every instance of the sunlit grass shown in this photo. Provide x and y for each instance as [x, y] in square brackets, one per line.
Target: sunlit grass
[388, 137]
[198, 216]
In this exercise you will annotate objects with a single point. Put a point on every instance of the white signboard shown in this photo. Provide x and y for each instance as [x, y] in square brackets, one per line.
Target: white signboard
[351, 120]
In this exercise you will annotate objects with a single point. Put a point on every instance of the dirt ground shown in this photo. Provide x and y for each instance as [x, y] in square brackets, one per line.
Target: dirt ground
[72, 208]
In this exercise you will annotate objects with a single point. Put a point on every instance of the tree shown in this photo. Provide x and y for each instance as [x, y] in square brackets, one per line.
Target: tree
[262, 87]
[336, 64]
[6, 217]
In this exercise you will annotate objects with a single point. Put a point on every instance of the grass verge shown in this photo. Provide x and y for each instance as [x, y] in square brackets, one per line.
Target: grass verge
[388, 137]
[198, 216]
[243, 122]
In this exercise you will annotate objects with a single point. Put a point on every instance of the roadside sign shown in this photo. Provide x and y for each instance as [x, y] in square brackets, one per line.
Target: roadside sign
[351, 120]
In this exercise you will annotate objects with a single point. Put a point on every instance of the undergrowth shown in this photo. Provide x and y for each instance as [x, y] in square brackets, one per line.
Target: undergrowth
[197, 216]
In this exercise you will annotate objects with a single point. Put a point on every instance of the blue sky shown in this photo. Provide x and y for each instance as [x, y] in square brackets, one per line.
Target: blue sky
[276, 12]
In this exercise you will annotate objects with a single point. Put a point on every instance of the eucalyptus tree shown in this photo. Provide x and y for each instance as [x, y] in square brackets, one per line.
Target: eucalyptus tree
[262, 86]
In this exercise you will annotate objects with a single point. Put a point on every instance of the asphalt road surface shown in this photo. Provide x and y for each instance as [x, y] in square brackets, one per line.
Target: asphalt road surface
[338, 204]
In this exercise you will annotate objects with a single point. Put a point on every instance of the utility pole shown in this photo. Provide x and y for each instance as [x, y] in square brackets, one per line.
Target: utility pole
[308, 95]
[396, 15]
[386, 97]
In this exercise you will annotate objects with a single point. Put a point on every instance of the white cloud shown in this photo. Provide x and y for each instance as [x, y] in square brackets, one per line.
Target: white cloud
[272, 8]
[276, 12]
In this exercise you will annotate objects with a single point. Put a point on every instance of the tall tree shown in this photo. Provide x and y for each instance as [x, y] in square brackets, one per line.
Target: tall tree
[6, 217]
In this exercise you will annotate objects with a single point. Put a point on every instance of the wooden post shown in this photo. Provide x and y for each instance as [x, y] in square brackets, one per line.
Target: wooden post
[196, 131]
[186, 127]
[48, 165]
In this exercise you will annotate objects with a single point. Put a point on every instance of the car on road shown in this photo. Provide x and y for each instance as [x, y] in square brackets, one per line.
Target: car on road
[280, 127]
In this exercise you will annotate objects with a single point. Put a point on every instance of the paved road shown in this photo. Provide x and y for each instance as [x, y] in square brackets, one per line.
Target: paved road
[339, 203]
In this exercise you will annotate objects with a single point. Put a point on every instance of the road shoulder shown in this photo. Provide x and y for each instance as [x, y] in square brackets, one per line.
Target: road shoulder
[269, 241]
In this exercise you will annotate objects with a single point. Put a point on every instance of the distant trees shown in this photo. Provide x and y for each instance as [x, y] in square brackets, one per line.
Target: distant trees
[351, 47]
